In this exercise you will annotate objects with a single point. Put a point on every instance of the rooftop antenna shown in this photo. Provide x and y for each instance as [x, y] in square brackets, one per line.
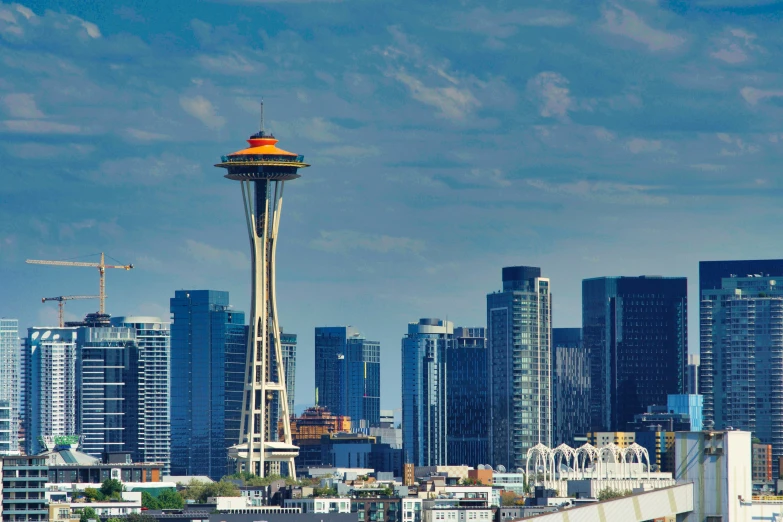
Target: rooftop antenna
[262, 115]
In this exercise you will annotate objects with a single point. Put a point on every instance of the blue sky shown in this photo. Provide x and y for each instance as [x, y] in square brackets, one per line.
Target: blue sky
[447, 140]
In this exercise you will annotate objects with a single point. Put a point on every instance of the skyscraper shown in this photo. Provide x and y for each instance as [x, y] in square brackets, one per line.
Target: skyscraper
[742, 340]
[692, 375]
[288, 346]
[570, 386]
[519, 326]
[208, 347]
[467, 423]
[50, 385]
[107, 387]
[9, 386]
[348, 374]
[262, 170]
[424, 415]
[154, 423]
[635, 329]
[711, 273]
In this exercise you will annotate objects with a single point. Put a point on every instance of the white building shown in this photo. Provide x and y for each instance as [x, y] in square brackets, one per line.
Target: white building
[411, 510]
[320, 505]
[50, 361]
[9, 387]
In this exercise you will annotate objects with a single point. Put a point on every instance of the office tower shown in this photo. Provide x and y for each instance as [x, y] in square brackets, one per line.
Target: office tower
[288, 347]
[424, 384]
[519, 327]
[22, 385]
[570, 386]
[262, 169]
[50, 385]
[711, 273]
[154, 423]
[635, 329]
[467, 394]
[348, 374]
[742, 340]
[689, 404]
[692, 375]
[9, 386]
[107, 387]
[208, 347]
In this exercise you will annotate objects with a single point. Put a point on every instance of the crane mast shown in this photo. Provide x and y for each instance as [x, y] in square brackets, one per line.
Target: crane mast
[102, 266]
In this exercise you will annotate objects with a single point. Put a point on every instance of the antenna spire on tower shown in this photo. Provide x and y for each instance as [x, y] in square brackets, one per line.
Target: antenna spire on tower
[262, 115]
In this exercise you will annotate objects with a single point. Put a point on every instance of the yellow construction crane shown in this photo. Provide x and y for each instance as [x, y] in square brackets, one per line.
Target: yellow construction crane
[61, 303]
[102, 266]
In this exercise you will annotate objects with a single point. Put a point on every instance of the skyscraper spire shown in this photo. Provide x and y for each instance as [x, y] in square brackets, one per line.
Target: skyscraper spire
[262, 116]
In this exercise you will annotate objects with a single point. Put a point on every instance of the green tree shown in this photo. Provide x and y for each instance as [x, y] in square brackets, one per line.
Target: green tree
[148, 501]
[114, 520]
[170, 499]
[112, 488]
[609, 494]
[509, 498]
[93, 495]
[325, 492]
[201, 491]
[136, 517]
[87, 514]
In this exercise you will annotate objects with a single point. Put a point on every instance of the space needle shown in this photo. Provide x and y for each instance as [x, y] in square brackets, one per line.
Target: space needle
[262, 170]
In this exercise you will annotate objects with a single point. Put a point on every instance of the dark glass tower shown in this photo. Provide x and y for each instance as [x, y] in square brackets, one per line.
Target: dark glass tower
[208, 346]
[348, 374]
[635, 329]
[467, 435]
[570, 386]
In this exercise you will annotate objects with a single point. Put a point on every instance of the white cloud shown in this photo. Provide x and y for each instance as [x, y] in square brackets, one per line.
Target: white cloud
[90, 28]
[215, 256]
[754, 96]
[148, 170]
[22, 105]
[550, 90]
[708, 167]
[603, 191]
[202, 109]
[502, 24]
[345, 240]
[639, 145]
[451, 102]
[232, 63]
[141, 135]
[735, 46]
[604, 134]
[621, 21]
[315, 129]
[38, 127]
[731, 54]
[738, 146]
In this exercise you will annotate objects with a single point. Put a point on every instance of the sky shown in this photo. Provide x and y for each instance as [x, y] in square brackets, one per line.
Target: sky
[447, 140]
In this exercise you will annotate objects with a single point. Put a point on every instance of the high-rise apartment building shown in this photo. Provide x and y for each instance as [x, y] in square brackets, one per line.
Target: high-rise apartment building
[424, 410]
[50, 385]
[208, 350]
[467, 395]
[348, 374]
[711, 273]
[9, 386]
[107, 387]
[519, 328]
[692, 375]
[635, 329]
[742, 344]
[288, 347]
[154, 423]
[570, 386]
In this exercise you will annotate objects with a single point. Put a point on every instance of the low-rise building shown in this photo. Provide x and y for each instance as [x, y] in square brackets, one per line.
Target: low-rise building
[761, 455]
[24, 488]
[320, 505]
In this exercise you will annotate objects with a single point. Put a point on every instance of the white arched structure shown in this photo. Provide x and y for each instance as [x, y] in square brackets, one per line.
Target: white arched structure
[583, 453]
[638, 453]
[539, 456]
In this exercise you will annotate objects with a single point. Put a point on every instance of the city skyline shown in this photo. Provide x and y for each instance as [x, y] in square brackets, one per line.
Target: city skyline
[611, 177]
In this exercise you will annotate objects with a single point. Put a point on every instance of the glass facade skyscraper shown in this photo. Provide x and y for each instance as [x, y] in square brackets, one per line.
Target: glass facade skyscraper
[519, 329]
[208, 347]
[288, 347]
[467, 394]
[9, 386]
[348, 374]
[107, 389]
[635, 329]
[711, 273]
[742, 344]
[570, 386]
[154, 423]
[424, 410]
[50, 385]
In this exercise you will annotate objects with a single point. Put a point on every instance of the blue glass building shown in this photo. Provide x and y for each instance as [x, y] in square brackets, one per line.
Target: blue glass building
[635, 329]
[348, 374]
[424, 404]
[519, 329]
[467, 425]
[208, 346]
[570, 386]
[691, 405]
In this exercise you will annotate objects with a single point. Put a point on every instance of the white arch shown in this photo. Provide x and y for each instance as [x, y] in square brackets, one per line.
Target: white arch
[617, 455]
[541, 453]
[560, 453]
[583, 453]
[638, 452]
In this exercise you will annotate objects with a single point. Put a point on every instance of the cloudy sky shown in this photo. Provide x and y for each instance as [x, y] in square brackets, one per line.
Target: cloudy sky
[448, 139]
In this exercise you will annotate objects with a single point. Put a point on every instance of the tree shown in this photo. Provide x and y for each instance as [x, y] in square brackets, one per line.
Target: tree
[325, 492]
[93, 495]
[148, 501]
[112, 488]
[136, 517]
[509, 498]
[114, 520]
[609, 494]
[87, 514]
[200, 491]
[170, 499]
[471, 482]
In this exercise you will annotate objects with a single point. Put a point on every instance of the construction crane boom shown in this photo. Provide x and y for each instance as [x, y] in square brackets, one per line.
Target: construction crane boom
[61, 303]
[102, 266]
